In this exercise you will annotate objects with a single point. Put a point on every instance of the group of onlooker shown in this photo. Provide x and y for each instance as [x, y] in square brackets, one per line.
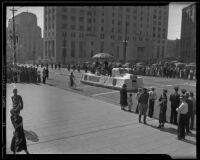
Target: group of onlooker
[26, 74]
[183, 107]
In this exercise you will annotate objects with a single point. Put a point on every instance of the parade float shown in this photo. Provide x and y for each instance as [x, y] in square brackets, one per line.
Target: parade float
[119, 77]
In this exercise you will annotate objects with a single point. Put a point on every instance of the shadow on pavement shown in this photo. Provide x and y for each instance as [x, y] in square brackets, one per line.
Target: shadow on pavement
[174, 131]
[32, 136]
[51, 84]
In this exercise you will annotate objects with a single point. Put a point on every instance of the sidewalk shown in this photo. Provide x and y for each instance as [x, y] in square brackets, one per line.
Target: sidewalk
[67, 122]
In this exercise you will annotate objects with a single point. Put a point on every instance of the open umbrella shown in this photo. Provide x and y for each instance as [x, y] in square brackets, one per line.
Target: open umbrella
[102, 56]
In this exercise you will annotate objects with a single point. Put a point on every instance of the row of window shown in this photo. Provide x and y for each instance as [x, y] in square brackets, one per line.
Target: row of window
[113, 37]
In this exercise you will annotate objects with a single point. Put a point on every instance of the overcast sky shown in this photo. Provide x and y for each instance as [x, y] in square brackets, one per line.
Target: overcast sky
[174, 24]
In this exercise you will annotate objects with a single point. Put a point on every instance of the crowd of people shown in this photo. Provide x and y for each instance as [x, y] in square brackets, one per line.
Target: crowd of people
[183, 107]
[157, 70]
[25, 74]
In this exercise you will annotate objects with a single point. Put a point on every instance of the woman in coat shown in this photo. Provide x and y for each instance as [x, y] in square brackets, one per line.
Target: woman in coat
[123, 97]
[163, 108]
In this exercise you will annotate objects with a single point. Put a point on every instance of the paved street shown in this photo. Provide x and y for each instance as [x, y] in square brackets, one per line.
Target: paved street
[91, 121]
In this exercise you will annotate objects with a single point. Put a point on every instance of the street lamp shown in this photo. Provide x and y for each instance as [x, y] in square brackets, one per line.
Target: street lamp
[125, 42]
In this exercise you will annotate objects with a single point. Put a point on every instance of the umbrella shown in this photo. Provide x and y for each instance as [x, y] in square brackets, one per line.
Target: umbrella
[102, 56]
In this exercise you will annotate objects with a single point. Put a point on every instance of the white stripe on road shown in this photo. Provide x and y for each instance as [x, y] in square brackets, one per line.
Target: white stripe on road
[105, 93]
[84, 87]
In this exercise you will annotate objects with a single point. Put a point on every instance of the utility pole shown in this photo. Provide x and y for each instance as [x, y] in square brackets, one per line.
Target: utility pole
[125, 42]
[14, 40]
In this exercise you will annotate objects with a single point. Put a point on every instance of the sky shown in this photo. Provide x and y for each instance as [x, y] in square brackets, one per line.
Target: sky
[174, 23]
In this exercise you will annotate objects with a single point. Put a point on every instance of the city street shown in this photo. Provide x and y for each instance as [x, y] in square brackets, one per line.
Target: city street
[89, 119]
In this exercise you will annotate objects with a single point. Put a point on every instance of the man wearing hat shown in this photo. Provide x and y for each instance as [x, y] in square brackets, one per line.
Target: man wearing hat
[123, 97]
[143, 105]
[183, 91]
[182, 116]
[163, 108]
[17, 101]
[175, 101]
[152, 98]
[137, 97]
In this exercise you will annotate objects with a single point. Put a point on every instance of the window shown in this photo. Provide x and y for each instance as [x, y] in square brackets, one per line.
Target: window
[101, 36]
[112, 29]
[154, 35]
[158, 28]
[53, 48]
[92, 43]
[154, 16]
[127, 10]
[163, 51]
[102, 29]
[154, 28]
[158, 35]
[64, 34]
[113, 14]
[159, 23]
[102, 20]
[159, 17]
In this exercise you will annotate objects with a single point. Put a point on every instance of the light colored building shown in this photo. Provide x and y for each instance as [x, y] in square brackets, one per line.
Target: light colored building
[173, 49]
[77, 33]
[188, 34]
[29, 40]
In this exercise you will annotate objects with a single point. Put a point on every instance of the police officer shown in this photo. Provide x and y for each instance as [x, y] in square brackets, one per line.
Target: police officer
[175, 100]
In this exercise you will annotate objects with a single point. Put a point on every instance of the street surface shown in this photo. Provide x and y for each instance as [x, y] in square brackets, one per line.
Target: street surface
[89, 119]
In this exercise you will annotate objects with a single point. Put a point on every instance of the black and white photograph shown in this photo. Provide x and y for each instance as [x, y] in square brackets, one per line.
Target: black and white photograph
[100, 78]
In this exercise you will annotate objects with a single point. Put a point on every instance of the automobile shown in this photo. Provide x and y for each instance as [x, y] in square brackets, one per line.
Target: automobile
[140, 65]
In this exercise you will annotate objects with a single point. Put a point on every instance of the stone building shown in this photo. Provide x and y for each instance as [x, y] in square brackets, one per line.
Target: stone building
[28, 37]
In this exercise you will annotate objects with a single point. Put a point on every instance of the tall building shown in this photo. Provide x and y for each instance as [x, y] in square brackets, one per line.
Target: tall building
[28, 37]
[173, 49]
[188, 34]
[77, 33]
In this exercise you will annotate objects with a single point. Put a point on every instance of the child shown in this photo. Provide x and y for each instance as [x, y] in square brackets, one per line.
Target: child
[130, 102]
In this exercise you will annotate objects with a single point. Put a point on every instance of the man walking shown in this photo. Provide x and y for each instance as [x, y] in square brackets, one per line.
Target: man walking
[143, 105]
[152, 98]
[175, 101]
[137, 97]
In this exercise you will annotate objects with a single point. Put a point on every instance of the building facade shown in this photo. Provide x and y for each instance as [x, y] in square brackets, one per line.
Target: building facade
[28, 37]
[77, 33]
[173, 49]
[188, 34]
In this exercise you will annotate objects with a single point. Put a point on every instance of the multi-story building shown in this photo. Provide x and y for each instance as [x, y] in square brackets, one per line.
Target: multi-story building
[188, 34]
[77, 33]
[173, 49]
[28, 37]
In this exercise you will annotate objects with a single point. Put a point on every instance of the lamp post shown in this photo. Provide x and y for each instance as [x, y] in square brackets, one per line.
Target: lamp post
[125, 43]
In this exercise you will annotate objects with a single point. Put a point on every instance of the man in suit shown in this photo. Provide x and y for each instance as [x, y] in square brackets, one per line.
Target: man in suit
[175, 101]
